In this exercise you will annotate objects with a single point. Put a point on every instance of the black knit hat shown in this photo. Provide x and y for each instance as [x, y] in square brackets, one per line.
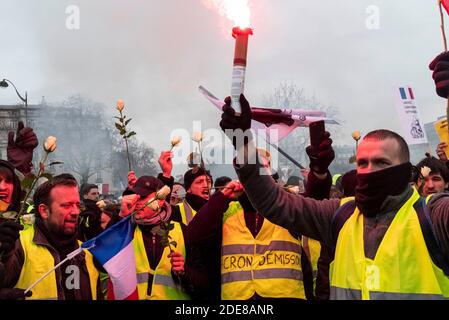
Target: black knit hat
[192, 174]
[144, 186]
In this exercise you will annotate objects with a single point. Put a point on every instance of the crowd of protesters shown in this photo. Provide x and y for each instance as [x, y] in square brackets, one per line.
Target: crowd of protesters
[380, 231]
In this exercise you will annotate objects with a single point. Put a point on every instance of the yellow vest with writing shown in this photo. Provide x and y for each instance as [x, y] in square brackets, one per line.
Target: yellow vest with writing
[269, 265]
[38, 260]
[401, 269]
[187, 213]
[164, 287]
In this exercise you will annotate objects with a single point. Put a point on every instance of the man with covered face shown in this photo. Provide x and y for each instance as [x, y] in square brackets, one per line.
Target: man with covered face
[386, 238]
[197, 184]
[161, 274]
[247, 256]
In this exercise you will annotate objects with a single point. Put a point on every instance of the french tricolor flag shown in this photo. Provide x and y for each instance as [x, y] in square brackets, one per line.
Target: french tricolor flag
[113, 248]
[406, 93]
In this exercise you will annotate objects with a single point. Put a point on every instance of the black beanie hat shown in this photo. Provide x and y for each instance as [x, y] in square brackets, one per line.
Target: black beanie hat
[192, 174]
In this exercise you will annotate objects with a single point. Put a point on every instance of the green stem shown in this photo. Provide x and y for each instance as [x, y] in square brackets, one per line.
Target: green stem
[41, 171]
[144, 206]
[202, 164]
[126, 140]
[127, 154]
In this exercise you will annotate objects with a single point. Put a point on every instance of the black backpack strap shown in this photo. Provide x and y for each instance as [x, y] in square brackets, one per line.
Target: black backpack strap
[339, 219]
[430, 238]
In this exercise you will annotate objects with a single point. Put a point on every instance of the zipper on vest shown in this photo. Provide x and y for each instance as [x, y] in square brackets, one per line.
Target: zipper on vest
[153, 242]
[257, 224]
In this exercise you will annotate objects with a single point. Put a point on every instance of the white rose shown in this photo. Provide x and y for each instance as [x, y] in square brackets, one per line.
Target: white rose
[175, 141]
[154, 206]
[120, 105]
[197, 137]
[425, 171]
[101, 205]
[356, 135]
[28, 218]
[163, 193]
[50, 144]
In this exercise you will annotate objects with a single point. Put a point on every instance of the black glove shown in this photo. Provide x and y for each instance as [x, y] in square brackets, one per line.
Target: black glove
[20, 150]
[9, 233]
[322, 156]
[14, 294]
[440, 68]
[229, 121]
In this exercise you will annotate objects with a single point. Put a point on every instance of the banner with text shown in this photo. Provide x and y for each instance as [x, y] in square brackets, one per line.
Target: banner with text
[413, 127]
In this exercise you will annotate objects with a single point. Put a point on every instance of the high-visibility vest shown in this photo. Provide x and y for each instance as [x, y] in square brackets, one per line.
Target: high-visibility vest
[402, 268]
[104, 281]
[269, 265]
[187, 213]
[38, 260]
[312, 248]
[163, 287]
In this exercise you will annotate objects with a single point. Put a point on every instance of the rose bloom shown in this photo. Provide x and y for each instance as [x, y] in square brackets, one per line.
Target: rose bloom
[356, 135]
[197, 137]
[50, 144]
[101, 205]
[163, 193]
[120, 105]
[175, 141]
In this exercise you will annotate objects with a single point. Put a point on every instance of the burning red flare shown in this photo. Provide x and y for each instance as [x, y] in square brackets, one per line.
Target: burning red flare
[236, 10]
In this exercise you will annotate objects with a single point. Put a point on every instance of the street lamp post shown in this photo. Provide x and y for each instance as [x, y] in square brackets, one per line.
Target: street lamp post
[4, 84]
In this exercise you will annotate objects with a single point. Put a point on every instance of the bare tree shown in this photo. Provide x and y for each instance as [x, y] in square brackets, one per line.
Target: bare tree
[143, 160]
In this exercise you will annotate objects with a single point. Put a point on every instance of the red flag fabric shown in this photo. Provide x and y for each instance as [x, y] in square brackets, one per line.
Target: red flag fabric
[445, 5]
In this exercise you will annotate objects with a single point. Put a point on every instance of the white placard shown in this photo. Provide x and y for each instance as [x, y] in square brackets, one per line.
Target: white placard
[413, 127]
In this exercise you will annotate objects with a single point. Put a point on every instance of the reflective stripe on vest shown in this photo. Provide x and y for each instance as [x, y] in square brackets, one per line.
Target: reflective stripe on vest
[37, 261]
[401, 269]
[261, 274]
[351, 294]
[187, 213]
[163, 286]
[269, 265]
[158, 279]
[274, 245]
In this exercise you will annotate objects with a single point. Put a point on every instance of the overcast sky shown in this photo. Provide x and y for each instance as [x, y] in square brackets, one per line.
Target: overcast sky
[154, 54]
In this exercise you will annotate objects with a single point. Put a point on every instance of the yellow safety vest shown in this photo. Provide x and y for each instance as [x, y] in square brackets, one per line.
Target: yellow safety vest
[269, 265]
[187, 213]
[401, 269]
[38, 260]
[164, 287]
[312, 248]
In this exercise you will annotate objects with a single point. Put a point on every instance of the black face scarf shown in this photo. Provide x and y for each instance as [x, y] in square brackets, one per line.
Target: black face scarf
[245, 203]
[373, 188]
[196, 202]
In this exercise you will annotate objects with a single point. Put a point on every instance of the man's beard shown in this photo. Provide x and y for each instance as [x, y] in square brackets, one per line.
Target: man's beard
[60, 231]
